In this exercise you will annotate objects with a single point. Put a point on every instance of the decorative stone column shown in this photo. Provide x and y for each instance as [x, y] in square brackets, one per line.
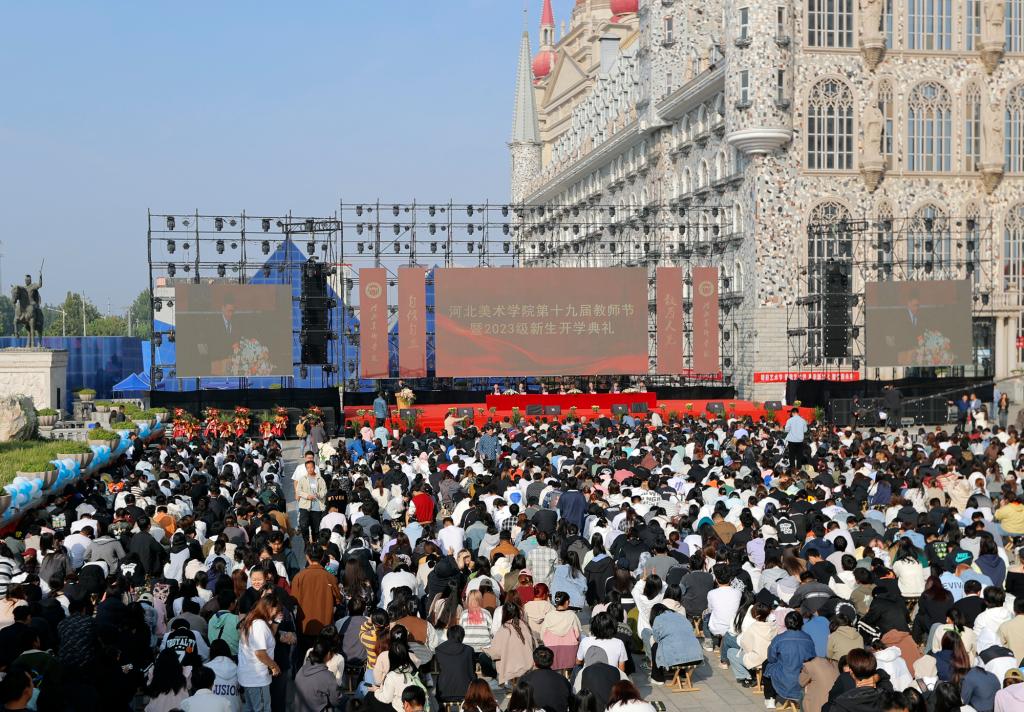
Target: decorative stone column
[41, 374]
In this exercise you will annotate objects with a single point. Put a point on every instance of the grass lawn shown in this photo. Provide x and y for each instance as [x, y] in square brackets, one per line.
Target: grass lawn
[34, 456]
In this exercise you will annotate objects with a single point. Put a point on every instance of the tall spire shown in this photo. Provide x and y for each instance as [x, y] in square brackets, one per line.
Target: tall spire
[524, 116]
[547, 26]
[547, 16]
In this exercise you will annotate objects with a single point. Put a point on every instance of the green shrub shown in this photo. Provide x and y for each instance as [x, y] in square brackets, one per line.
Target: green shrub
[46, 411]
[101, 434]
[86, 391]
[34, 456]
[161, 411]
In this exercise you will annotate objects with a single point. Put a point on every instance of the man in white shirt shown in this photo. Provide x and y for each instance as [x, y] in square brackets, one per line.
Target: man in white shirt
[76, 544]
[451, 537]
[300, 469]
[723, 602]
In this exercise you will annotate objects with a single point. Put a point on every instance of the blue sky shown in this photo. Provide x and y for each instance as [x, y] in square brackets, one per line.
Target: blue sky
[111, 108]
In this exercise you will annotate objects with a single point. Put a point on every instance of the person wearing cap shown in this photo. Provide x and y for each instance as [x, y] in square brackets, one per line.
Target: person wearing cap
[1011, 697]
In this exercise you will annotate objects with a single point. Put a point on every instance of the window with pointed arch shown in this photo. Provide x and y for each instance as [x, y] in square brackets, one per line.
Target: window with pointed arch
[702, 174]
[972, 127]
[887, 106]
[929, 244]
[930, 24]
[1014, 130]
[1014, 25]
[830, 23]
[830, 126]
[929, 128]
[1013, 249]
[737, 218]
[828, 238]
[884, 244]
[737, 275]
[687, 186]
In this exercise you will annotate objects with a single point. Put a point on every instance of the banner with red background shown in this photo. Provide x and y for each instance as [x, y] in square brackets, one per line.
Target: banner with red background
[670, 320]
[373, 322]
[412, 322]
[706, 354]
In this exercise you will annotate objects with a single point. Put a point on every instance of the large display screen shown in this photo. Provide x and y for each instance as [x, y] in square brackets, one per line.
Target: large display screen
[918, 323]
[539, 322]
[233, 330]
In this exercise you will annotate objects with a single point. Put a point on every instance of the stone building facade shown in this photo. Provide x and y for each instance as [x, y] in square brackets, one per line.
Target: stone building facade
[715, 133]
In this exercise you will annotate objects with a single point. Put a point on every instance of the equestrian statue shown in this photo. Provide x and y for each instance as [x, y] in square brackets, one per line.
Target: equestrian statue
[28, 309]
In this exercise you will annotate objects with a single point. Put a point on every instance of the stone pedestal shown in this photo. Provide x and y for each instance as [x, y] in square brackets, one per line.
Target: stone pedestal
[41, 374]
[991, 175]
[871, 170]
[872, 49]
[991, 54]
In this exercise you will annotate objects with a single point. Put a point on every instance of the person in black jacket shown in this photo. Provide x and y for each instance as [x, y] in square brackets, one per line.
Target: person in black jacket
[888, 611]
[865, 695]
[456, 666]
[551, 691]
[150, 553]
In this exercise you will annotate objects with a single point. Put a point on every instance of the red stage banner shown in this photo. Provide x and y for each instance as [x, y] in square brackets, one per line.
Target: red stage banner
[670, 320]
[705, 320]
[373, 322]
[412, 322]
[783, 376]
[494, 321]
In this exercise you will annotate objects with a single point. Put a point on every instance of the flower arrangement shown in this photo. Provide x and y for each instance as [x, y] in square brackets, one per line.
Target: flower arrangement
[574, 392]
[480, 411]
[250, 358]
[492, 410]
[797, 404]
[663, 406]
[241, 421]
[596, 408]
[517, 415]
[211, 422]
[406, 395]
[185, 426]
[631, 390]
[689, 407]
[361, 412]
[510, 392]
[280, 422]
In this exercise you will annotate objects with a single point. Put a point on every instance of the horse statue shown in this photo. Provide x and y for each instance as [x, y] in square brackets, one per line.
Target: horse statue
[27, 309]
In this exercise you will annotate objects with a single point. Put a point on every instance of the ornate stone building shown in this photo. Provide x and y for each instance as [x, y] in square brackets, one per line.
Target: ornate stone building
[718, 132]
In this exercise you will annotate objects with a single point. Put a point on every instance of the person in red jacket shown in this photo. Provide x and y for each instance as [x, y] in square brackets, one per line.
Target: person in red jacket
[424, 504]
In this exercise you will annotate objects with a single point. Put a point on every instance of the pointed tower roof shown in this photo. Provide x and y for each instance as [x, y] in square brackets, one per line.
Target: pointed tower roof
[524, 116]
[547, 16]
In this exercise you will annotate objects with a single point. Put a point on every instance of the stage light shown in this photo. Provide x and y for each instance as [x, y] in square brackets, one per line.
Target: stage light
[971, 224]
[505, 229]
[280, 224]
[504, 211]
[575, 229]
[221, 270]
[469, 210]
[359, 229]
[170, 247]
[220, 247]
[970, 268]
[856, 364]
[929, 245]
[432, 211]
[542, 247]
[576, 247]
[359, 210]
[432, 229]
[360, 247]
[232, 222]
[855, 332]
[186, 267]
[234, 245]
[171, 270]
[185, 222]
[612, 247]
[433, 247]
[715, 230]
[725, 336]
[394, 210]
[265, 247]
[470, 228]
[843, 225]
[727, 362]
[647, 247]
[396, 228]
[170, 222]
[330, 369]
[398, 248]
[469, 247]
[185, 246]
[157, 304]
[647, 229]
[611, 210]
[682, 229]
[218, 223]
[929, 223]
[970, 245]
[682, 212]
[266, 272]
[303, 373]
[310, 248]
[506, 247]
[984, 298]
[265, 224]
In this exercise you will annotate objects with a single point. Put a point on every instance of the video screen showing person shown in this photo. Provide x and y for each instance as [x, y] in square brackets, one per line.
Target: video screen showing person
[233, 330]
[918, 323]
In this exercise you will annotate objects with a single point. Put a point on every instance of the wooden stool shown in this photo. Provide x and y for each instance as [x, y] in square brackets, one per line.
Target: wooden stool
[451, 705]
[758, 689]
[791, 705]
[682, 678]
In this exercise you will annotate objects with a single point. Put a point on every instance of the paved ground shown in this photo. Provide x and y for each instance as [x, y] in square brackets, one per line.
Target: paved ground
[717, 691]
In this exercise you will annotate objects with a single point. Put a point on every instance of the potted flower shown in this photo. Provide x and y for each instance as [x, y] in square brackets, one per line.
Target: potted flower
[517, 415]
[480, 412]
[361, 412]
[47, 417]
[103, 437]
[86, 395]
[689, 408]
[159, 413]
[74, 450]
[405, 397]
[102, 406]
[572, 411]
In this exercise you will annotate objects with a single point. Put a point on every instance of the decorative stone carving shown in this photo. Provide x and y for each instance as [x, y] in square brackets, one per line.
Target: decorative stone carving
[872, 163]
[993, 33]
[872, 41]
[992, 148]
[17, 418]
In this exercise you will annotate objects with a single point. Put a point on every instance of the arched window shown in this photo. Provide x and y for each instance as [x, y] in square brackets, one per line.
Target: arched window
[702, 175]
[828, 238]
[930, 24]
[720, 169]
[1014, 26]
[830, 126]
[702, 120]
[1013, 249]
[929, 252]
[929, 128]
[687, 181]
[737, 276]
[887, 106]
[737, 219]
[830, 23]
[1014, 130]
[972, 127]
[883, 242]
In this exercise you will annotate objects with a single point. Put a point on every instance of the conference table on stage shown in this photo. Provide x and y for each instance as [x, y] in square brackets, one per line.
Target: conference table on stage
[582, 401]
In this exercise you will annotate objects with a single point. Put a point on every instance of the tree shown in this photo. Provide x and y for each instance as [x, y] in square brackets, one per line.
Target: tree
[72, 306]
[141, 316]
[6, 316]
[109, 326]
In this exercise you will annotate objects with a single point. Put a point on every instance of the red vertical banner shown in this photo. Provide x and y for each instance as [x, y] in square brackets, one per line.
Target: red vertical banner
[373, 322]
[705, 320]
[670, 320]
[412, 322]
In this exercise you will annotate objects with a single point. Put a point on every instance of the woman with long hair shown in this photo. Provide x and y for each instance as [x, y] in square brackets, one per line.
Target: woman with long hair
[479, 697]
[355, 583]
[932, 608]
[389, 694]
[538, 607]
[955, 623]
[14, 598]
[570, 579]
[512, 646]
[521, 698]
[479, 626]
[167, 689]
[952, 660]
[560, 631]
[256, 642]
[910, 573]
[446, 608]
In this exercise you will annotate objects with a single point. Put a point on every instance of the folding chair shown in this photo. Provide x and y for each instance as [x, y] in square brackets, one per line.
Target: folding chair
[682, 677]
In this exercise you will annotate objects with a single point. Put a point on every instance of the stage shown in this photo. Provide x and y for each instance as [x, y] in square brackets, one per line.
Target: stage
[432, 415]
[580, 401]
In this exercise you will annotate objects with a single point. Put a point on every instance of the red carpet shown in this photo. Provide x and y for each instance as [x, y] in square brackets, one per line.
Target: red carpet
[432, 416]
